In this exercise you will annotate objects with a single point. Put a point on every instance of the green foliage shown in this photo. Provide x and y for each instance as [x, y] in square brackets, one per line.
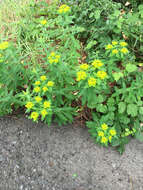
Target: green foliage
[79, 60]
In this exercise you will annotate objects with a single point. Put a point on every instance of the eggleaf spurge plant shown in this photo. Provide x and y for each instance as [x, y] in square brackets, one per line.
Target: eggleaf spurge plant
[63, 84]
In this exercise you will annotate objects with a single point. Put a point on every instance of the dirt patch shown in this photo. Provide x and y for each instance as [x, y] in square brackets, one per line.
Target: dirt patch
[38, 157]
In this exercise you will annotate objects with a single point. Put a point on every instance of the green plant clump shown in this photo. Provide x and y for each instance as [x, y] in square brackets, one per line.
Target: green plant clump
[61, 67]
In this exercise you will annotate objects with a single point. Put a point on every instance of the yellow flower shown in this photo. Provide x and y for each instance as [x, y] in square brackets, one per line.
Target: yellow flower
[104, 140]
[102, 74]
[47, 104]
[91, 81]
[63, 9]
[124, 50]
[38, 99]
[34, 115]
[84, 66]
[110, 138]
[44, 112]
[56, 60]
[97, 63]
[43, 77]
[104, 126]
[58, 56]
[29, 105]
[43, 22]
[45, 88]
[52, 54]
[37, 89]
[100, 133]
[81, 75]
[109, 46]
[51, 61]
[4, 45]
[50, 83]
[114, 43]
[123, 44]
[114, 51]
[112, 132]
[0, 55]
[37, 83]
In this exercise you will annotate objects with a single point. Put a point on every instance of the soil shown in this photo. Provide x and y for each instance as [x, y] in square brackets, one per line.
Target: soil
[38, 157]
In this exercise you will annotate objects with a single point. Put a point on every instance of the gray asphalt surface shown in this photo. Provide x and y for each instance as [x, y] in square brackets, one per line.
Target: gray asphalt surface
[36, 157]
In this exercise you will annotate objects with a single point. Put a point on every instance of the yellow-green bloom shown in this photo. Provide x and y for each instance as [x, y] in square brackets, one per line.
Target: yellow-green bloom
[112, 132]
[102, 74]
[97, 63]
[50, 83]
[104, 126]
[104, 140]
[45, 89]
[81, 75]
[38, 99]
[115, 51]
[43, 77]
[123, 44]
[37, 82]
[44, 112]
[100, 133]
[63, 9]
[43, 22]
[34, 115]
[29, 105]
[109, 46]
[47, 104]
[4, 45]
[91, 81]
[114, 43]
[110, 138]
[84, 66]
[37, 89]
[124, 50]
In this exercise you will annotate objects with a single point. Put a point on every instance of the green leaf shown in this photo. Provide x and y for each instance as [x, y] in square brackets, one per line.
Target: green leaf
[121, 107]
[131, 68]
[132, 110]
[100, 99]
[91, 44]
[141, 110]
[117, 76]
[101, 108]
[97, 14]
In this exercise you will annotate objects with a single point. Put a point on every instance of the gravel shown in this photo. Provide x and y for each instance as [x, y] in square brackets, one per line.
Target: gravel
[38, 157]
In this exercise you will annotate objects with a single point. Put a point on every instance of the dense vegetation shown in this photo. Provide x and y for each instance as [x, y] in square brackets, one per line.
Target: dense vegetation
[80, 60]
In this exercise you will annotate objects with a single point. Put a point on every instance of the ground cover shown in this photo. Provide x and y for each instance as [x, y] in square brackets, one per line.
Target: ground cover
[76, 61]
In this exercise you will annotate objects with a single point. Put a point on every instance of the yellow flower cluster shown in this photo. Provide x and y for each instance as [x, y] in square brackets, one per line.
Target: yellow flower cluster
[81, 75]
[4, 45]
[84, 66]
[101, 74]
[91, 81]
[43, 22]
[45, 87]
[105, 134]
[29, 105]
[34, 116]
[63, 9]
[53, 58]
[43, 78]
[97, 63]
[47, 104]
[44, 112]
[119, 47]
[50, 83]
